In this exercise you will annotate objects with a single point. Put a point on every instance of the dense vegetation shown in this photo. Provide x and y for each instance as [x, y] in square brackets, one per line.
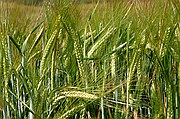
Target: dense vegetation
[37, 2]
[110, 60]
[26, 2]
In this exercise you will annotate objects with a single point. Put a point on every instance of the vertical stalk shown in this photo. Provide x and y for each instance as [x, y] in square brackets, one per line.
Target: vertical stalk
[85, 62]
[56, 79]
[128, 75]
[127, 94]
[113, 72]
[102, 107]
[31, 116]
[9, 51]
[103, 85]
[178, 90]
[18, 102]
[11, 63]
[6, 89]
[23, 88]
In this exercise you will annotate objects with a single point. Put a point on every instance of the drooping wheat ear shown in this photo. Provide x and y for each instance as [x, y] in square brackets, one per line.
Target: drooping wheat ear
[57, 99]
[47, 51]
[80, 94]
[74, 94]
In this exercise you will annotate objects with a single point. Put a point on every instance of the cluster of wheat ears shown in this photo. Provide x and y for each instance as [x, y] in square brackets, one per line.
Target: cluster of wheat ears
[101, 60]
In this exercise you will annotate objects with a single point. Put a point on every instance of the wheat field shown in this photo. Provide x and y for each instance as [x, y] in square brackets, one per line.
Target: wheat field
[62, 59]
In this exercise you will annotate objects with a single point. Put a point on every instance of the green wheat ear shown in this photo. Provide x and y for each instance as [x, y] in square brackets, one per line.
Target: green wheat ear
[77, 48]
[47, 50]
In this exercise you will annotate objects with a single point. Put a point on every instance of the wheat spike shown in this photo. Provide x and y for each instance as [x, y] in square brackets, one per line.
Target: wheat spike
[47, 50]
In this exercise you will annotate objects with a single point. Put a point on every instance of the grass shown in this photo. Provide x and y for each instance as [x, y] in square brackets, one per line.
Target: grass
[108, 60]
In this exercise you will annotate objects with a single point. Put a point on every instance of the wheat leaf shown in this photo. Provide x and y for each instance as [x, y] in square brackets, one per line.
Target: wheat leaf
[37, 40]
